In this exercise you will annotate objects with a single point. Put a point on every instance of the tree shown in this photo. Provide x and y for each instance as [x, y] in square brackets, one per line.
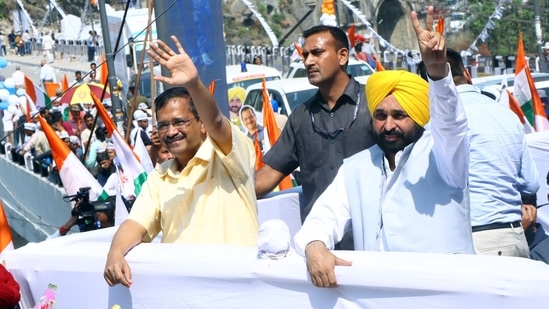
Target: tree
[503, 33]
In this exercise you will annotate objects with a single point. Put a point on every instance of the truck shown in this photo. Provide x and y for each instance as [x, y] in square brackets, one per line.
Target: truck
[131, 47]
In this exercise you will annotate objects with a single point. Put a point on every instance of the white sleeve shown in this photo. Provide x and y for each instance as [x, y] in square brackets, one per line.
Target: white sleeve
[449, 128]
[329, 218]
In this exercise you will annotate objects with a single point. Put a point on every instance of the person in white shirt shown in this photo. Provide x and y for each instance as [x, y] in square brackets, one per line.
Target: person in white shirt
[409, 191]
[47, 46]
[47, 73]
[18, 77]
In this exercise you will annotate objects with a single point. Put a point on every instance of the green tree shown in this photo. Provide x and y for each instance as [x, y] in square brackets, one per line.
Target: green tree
[503, 33]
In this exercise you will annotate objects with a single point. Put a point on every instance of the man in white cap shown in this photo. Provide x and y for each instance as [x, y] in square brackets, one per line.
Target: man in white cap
[142, 126]
[38, 141]
[369, 49]
[74, 145]
[145, 108]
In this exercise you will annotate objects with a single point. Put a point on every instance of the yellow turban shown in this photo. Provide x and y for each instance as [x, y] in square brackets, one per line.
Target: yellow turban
[410, 91]
[239, 92]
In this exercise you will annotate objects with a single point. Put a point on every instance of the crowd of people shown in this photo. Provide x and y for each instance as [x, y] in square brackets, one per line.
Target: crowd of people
[410, 162]
[404, 164]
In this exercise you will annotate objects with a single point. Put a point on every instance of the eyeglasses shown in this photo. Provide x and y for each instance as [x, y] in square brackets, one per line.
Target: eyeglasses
[162, 126]
[336, 132]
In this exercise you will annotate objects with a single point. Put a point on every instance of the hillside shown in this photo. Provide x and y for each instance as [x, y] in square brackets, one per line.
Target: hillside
[240, 25]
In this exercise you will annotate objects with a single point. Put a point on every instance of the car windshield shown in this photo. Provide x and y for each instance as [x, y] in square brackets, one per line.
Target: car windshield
[298, 97]
[359, 69]
[244, 83]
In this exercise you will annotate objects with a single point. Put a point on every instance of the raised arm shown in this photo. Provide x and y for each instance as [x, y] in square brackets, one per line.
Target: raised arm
[448, 122]
[184, 73]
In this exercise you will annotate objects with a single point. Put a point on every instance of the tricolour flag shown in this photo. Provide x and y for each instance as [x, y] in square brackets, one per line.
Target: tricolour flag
[272, 130]
[72, 172]
[509, 101]
[38, 97]
[524, 90]
[134, 174]
[6, 240]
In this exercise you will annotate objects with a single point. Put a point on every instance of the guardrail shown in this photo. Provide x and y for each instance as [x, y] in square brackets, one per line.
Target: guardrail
[281, 57]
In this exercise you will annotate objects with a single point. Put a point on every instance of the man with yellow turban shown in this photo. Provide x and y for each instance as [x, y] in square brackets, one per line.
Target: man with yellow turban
[236, 99]
[407, 192]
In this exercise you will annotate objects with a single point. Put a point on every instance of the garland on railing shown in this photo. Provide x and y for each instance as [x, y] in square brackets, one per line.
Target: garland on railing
[491, 24]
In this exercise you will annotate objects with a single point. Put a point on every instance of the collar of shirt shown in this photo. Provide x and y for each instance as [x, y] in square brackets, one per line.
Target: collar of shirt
[170, 168]
[352, 91]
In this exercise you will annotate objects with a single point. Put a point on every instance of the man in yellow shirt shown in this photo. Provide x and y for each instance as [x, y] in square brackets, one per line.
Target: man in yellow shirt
[206, 193]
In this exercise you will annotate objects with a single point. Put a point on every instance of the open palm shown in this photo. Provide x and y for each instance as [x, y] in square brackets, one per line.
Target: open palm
[180, 65]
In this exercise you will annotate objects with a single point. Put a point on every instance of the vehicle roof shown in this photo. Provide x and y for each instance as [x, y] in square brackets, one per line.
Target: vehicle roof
[287, 85]
[234, 72]
[496, 79]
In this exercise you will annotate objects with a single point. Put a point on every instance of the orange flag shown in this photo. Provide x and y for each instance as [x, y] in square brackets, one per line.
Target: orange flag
[6, 240]
[299, 50]
[273, 132]
[351, 35]
[102, 112]
[212, 87]
[51, 87]
[258, 154]
[103, 70]
[64, 83]
[379, 66]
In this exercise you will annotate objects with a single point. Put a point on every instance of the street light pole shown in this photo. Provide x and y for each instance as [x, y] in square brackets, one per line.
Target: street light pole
[113, 85]
[539, 37]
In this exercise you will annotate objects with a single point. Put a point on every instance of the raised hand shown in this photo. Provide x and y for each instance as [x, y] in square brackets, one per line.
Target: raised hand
[181, 67]
[432, 45]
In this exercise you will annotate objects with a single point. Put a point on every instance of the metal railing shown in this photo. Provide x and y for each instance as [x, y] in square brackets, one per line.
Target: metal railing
[281, 57]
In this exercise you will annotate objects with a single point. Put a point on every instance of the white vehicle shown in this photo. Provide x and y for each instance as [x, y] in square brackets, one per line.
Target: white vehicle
[244, 75]
[132, 45]
[541, 81]
[457, 21]
[360, 70]
[289, 93]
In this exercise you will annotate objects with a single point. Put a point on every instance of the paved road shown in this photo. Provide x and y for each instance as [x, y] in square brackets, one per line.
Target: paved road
[30, 65]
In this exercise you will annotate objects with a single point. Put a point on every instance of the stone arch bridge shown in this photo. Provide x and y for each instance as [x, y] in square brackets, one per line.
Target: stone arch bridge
[389, 18]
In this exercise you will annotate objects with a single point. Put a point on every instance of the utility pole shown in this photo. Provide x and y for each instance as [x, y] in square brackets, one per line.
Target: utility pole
[162, 29]
[539, 37]
[115, 100]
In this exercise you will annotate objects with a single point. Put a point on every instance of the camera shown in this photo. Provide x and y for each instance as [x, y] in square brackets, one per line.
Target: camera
[86, 211]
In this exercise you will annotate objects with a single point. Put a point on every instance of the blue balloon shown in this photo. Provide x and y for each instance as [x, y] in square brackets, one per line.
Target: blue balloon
[3, 63]
[4, 106]
[2, 85]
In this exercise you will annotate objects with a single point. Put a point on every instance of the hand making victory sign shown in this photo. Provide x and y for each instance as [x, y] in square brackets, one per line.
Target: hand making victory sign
[432, 45]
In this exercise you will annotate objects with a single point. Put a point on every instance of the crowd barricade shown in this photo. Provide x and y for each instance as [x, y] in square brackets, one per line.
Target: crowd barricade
[280, 57]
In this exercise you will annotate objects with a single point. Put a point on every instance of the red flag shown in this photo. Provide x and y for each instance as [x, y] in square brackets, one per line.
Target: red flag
[6, 240]
[273, 132]
[64, 83]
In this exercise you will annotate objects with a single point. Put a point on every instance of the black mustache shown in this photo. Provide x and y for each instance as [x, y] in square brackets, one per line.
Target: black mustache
[178, 137]
[391, 133]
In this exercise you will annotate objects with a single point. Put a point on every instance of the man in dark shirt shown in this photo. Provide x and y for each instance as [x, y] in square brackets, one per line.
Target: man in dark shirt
[332, 125]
